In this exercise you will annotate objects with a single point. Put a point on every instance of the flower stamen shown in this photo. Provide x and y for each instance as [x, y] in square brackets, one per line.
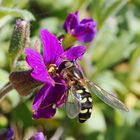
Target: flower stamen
[54, 106]
[52, 69]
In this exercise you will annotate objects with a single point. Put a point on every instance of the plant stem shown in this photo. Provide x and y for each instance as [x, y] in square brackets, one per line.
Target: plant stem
[8, 87]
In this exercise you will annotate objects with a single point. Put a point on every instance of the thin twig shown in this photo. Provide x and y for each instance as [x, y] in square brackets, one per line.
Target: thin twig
[8, 87]
[58, 134]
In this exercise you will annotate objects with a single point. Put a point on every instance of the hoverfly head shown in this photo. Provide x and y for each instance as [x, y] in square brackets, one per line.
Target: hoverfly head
[66, 64]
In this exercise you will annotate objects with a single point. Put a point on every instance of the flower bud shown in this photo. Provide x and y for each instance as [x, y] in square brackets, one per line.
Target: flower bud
[19, 40]
[6, 134]
[83, 31]
[23, 82]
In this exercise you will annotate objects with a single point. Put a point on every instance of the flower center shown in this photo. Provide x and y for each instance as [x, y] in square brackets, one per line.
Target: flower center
[72, 30]
[54, 106]
[52, 69]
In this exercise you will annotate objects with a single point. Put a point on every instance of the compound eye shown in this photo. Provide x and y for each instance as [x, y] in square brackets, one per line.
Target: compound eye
[68, 64]
[65, 65]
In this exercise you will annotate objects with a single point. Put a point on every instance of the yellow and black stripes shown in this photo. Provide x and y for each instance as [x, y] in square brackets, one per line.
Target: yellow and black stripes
[75, 78]
[86, 105]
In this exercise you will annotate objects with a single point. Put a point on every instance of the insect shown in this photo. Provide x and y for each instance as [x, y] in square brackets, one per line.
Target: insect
[79, 101]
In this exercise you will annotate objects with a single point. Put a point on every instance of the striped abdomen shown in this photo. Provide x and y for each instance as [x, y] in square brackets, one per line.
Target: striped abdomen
[86, 106]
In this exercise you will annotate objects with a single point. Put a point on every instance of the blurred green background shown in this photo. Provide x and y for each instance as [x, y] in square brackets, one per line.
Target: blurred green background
[112, 61]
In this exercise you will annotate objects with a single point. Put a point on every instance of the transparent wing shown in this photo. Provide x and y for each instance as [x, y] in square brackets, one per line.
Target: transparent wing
[106, 97]
[73, 104]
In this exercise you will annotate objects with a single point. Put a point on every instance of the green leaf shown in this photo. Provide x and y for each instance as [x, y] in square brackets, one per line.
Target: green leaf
[109, 8]
[135, 57]
[112, 83]
[115, 7]
[4, 76]
[2, 58]
[99, 122]
[23, 114]
[95, 9]
[9, 3]
[24, 14]
[132, 134]
[50, 23]
[118, 50]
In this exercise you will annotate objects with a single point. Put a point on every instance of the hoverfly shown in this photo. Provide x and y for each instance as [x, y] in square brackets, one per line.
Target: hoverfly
[79, 100]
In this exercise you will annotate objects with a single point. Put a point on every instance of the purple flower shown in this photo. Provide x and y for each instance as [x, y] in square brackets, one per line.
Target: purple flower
[84, 30]
[44, 69]
[38, 136]
[6, 134]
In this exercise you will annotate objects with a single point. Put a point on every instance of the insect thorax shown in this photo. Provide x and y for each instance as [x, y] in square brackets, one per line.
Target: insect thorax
[69, 71]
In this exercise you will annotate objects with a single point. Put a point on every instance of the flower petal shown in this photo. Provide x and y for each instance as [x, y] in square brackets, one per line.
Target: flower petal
[71, 22]
[40, 96]
[38, 136]
[88, 21]
[48, 97]
[74, 53]
[86, 30]
[48, 112]
[6, 134]
[51, 47]
[35, 60]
